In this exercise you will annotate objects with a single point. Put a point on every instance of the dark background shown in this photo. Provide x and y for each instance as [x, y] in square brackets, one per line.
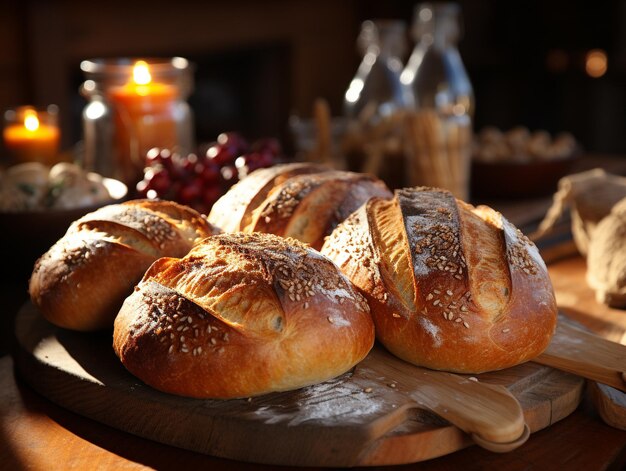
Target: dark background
[258, 62]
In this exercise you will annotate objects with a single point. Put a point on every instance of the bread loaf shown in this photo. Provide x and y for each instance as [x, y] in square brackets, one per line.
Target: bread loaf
[451, 287]
[232, 212]
[242, 315]
[81, 282]
[305, 203]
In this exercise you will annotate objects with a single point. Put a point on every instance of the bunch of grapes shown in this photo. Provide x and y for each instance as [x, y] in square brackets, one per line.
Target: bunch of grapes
[198, 180]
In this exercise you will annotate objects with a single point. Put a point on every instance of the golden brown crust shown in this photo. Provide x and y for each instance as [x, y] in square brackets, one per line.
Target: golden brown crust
[305, 203]
[232, 212]
[81, 282]
[475, 296]
[242, 315]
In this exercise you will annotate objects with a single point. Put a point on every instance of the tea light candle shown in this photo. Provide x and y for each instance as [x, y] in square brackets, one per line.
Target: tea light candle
[144, 116]
[31, 136]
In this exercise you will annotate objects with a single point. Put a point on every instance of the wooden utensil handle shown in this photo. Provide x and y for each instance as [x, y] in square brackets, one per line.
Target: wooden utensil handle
[490, 414]
[587, 355]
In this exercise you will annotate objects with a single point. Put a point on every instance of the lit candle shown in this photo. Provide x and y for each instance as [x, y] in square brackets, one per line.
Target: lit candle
[144, 117]
[29, 138]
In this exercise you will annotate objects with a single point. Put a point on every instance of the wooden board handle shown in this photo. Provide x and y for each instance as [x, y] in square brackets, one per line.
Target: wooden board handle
[490, 414]
[587, 355]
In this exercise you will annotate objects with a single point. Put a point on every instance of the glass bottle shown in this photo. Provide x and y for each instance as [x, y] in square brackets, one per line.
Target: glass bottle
[437, 88]
[374, 101]
[377, 80]
[134, 105]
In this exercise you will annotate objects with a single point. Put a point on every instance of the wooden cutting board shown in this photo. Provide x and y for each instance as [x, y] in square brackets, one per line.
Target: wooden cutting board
[336, 423]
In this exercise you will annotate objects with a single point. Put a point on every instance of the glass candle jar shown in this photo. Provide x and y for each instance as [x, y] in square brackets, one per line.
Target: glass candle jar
[134, 105]
[31, 135]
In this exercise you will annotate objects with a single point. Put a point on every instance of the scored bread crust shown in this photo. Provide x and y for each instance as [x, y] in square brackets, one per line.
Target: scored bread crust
[242, 315]
[451, 287]
[302, 201]
[82, 280]
[232, 212]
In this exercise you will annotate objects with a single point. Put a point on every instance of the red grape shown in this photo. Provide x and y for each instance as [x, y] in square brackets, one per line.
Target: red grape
[198, 180]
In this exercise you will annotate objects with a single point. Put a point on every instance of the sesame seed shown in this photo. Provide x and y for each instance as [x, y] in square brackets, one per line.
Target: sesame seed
[213, 341]
[199, 349]
[464, 309]
[458, 319]
[395, 314]
[368, 390]
[505, 330]
[179, 328]
[182, 338]
[436, 291]
[184, 350]
[189, 319]
[466, 325]
[392, 385]
[171, 349]
[306, 305]
[249, 399]
[436, 302]
[473, 378]
[449, 293]
[330, 319]
[429, 297]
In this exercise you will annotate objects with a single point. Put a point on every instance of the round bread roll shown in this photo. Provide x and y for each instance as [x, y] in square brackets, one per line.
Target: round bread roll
[242, 315]
[81, 282]
[298, 200]
[451, 287]
[232, 212]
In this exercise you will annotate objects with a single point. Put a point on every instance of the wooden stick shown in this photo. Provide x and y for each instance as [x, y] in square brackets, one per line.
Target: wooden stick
[321, 114]
[586, 355]
[420, 167]
[433, 135]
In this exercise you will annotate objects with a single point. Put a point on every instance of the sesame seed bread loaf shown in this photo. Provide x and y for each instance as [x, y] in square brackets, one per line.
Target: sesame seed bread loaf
[81, 282]
[451, 287]
[232, 212]
[242, 315]
[305, 203]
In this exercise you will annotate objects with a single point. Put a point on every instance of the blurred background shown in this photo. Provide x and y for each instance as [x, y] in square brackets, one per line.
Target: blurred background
[557, 65]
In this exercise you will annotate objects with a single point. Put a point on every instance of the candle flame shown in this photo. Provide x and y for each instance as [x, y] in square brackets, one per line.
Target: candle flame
[141, 73]
[31, 122]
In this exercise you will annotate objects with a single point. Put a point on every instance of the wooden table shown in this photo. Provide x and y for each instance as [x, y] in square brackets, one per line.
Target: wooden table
[36, 434]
